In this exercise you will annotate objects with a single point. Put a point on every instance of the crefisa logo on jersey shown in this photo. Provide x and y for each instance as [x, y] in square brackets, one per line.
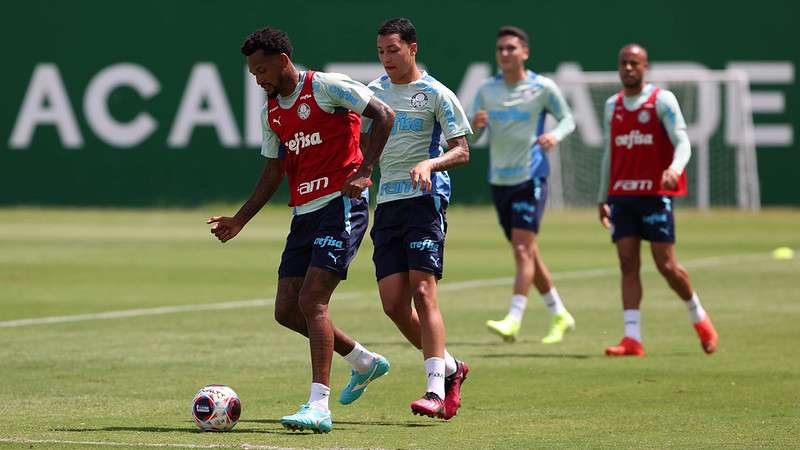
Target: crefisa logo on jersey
[419, 100]
[303, 111]
[635, 137]
[302, 140]
[644, 117]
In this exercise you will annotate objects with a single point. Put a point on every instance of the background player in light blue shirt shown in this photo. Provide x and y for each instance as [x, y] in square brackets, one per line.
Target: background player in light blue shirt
[410, 220]
[513, 106]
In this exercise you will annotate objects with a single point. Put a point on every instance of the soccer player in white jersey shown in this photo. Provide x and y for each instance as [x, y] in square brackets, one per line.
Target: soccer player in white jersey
[513, 105]
[646, 152]
[410, 219]
[311, 131]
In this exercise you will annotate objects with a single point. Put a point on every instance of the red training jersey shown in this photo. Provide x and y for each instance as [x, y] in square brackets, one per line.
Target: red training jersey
[320, 150]
[640, 151]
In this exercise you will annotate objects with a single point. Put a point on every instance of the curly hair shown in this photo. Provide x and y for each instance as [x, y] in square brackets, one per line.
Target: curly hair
[401, 26]
[271, 40]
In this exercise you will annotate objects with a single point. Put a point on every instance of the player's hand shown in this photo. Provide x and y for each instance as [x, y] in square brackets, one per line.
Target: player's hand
[224, 228]
[547, 141]
[354, 185]
[480, 120]
[669, 180]
[421, 176]
[605, 214]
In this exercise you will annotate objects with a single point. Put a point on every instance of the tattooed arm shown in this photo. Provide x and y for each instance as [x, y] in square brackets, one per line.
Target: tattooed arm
[382, 121]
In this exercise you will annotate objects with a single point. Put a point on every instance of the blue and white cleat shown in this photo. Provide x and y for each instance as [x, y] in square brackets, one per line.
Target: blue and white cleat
[308, 418]
[359, 381]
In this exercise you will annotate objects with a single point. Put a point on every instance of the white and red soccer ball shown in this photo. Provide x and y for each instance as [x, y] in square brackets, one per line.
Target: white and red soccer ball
[216, 407]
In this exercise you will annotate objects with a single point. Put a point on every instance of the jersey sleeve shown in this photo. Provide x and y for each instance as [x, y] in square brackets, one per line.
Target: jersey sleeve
[557, 105]
[270, 144]
[366, 122]
[669, 112]
[450, 114]
[335, 90]
[605, 164]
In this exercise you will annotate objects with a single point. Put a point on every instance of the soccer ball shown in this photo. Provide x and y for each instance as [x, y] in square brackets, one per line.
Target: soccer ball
[216, 407]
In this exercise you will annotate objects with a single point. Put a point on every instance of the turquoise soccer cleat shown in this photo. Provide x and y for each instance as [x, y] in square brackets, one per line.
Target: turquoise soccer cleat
[308, 418]
[359, 381]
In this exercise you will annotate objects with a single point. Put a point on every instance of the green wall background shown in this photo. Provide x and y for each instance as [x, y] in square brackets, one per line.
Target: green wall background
[170, 37]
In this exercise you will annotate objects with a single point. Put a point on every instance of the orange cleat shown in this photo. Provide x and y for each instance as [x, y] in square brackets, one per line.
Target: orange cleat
[707, 334]
[627, 347]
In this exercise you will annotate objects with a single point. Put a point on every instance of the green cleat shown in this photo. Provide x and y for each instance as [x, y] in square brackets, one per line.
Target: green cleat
[508, 328]
[559, 325]
[308, 418]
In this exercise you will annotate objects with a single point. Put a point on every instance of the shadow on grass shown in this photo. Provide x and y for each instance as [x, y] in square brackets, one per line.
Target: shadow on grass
[382, 423]
[187, 429]
[240, 430]
[377, 344]
[541, 355]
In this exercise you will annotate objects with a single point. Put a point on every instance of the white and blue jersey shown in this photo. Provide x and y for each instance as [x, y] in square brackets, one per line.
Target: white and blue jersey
[516, 120]
[425, 111]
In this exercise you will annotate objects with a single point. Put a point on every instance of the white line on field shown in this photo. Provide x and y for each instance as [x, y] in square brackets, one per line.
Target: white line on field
[138, 444]
[712, 261]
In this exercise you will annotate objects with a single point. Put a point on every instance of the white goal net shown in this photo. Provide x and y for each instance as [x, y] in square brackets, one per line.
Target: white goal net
[716, 105]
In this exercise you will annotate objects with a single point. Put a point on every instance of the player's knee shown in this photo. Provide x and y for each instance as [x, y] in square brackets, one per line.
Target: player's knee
[285, 315]
[667, 268]
[396, 310]
[311, 305]
[629, 265]
[523, 253]
[424, 298]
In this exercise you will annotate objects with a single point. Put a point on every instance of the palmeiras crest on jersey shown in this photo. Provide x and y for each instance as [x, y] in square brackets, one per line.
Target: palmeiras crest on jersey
[303, 111]
[644, 117]
[419, 100]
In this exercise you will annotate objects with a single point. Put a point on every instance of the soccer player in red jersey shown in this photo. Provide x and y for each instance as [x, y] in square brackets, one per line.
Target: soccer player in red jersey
[646, 152]
[311, 125]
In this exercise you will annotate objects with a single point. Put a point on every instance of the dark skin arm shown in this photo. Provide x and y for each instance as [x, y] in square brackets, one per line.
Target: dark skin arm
[226, 228]
[382, 121]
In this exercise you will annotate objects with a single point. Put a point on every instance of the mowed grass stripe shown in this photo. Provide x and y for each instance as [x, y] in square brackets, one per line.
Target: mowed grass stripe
[445, 287]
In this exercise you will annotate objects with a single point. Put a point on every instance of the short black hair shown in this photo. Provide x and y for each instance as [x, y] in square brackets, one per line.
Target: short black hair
[401, 26]
[509, 30]
[271, 40]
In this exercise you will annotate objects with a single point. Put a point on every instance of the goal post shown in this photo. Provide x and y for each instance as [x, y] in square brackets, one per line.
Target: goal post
[723, 170]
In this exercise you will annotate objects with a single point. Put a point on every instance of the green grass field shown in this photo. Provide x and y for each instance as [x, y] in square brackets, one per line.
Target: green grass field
[129, 380]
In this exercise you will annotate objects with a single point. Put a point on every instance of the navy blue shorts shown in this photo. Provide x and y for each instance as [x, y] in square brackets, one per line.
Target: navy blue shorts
[647, 216]
[521, 205]
[327, 238]
[408, 235]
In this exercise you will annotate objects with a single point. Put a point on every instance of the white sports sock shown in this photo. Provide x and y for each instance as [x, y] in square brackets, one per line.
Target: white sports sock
[553, 302]
[360, 358]
[450, 366]
[518, 304]
[633, 320]
[696, 311]
[434, 368]
[319, 397]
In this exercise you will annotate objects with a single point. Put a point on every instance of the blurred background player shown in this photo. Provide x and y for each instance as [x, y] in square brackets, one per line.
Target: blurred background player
[513, 106]
[410, 219]
[646, 151]
[310, 127]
